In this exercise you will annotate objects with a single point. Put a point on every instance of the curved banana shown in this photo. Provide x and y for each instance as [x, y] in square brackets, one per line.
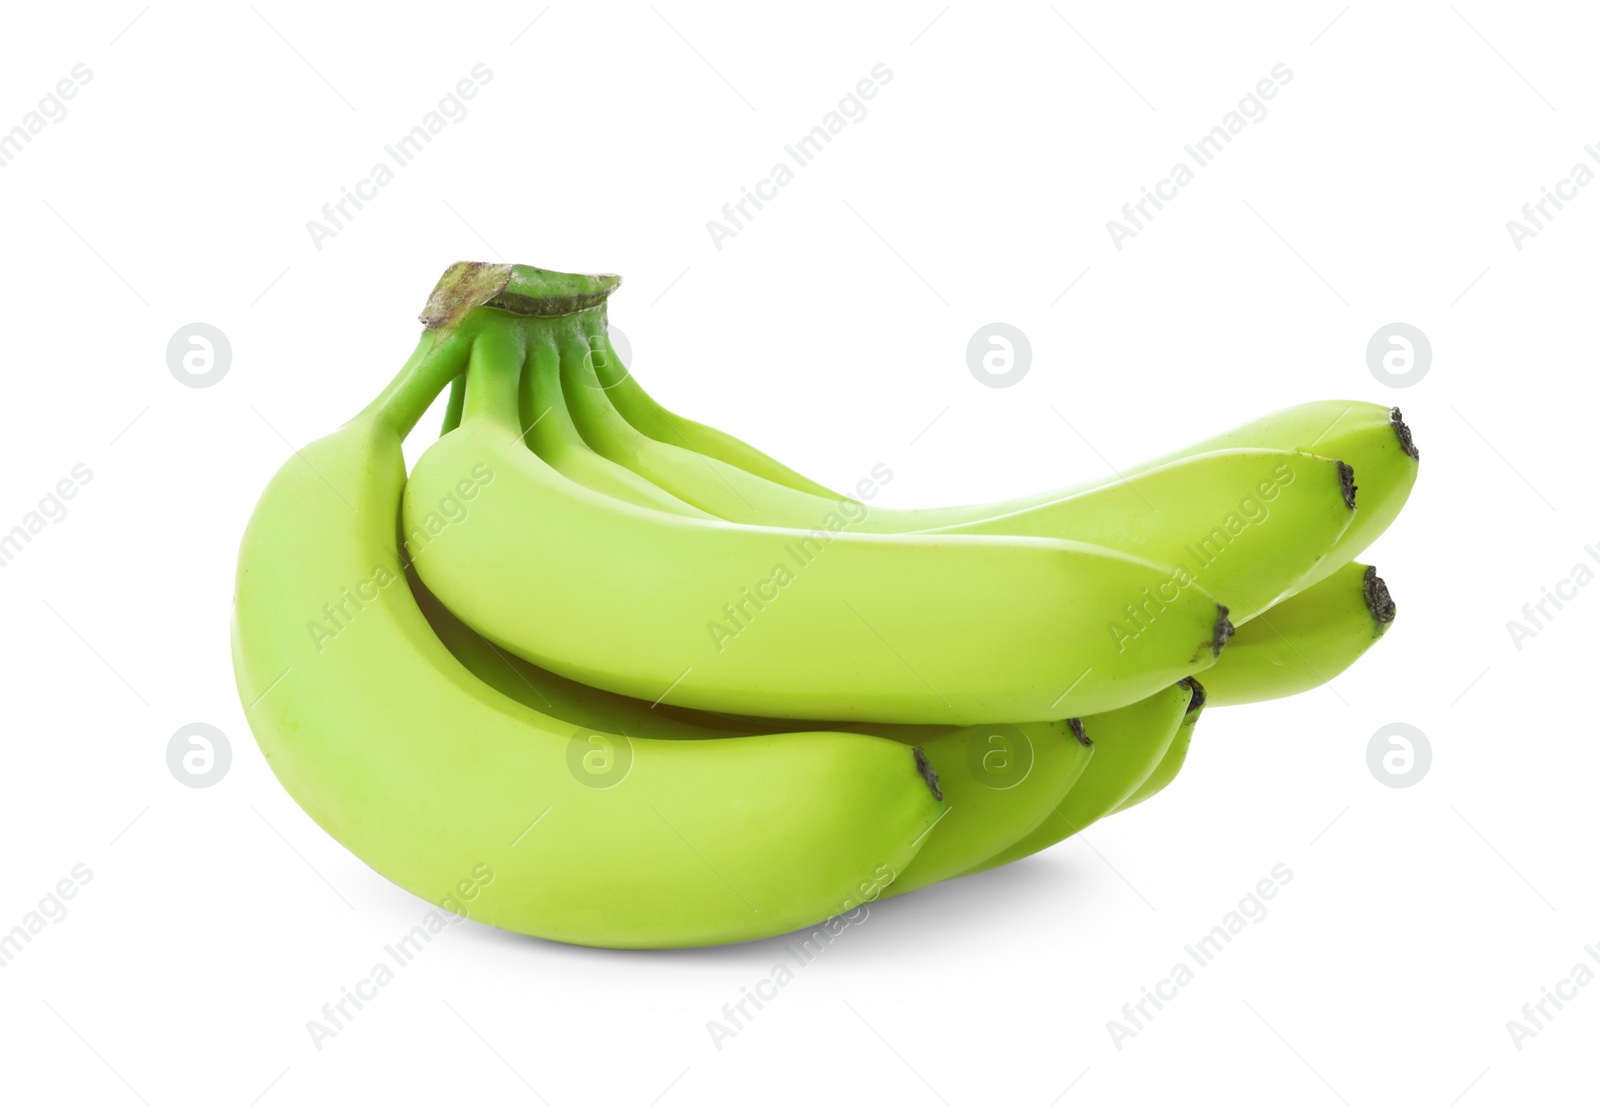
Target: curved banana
[436, 780]
[1373, 440]
[1304, 641]
[772, 622]
[1129, 745]
[1172, 760]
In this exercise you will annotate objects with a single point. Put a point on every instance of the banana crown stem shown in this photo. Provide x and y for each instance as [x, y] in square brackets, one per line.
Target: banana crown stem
[526, 291]
[482, 311]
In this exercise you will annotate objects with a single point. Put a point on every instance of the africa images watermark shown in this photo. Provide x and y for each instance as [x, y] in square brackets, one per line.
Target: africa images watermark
[1537, 213]
[51, 908]
[338, 615]
[852, 109]
[1566, 590]
[451, 109]
[451, 910]
[1252, 109]
[51, 510]
[1251, 908]
[52, 109]
[736, 1014]
[803, 551]
[1536, 1015]
[1253, 509]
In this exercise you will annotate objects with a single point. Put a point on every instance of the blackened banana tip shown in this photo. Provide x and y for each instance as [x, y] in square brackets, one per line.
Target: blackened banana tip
[1221, 631]
[929, 775]
[1347, 483]
[1076, 726]
[1402, 432]
[1197, 693]
[1376, 593]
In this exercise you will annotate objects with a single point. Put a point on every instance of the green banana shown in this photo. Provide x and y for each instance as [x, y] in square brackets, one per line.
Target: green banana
[1172, 760]
[948, 630]
[436, 779]
[1373, 440]
[1129, 745]
[1304, 641]
[997, 782]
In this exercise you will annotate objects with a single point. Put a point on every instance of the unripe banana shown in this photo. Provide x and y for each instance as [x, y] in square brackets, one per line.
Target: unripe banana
[1304, 641]
[434, 778]
[1373, 440]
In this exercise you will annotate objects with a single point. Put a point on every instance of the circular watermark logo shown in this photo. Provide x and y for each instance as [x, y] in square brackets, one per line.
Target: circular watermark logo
[599, 758]
[607, 369]
[198, 755]
[620, 345]
[999, 757]
[1399, 355]
[999, 355]
[198, 355]
[1399, 755]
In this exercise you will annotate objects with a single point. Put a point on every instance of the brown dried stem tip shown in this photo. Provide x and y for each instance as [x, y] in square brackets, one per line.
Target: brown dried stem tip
[524, 290]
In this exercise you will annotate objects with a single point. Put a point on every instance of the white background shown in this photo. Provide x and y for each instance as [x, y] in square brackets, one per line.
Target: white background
[832, 332]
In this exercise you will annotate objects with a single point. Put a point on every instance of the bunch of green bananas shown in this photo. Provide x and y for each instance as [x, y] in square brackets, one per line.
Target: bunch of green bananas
[668, 692]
